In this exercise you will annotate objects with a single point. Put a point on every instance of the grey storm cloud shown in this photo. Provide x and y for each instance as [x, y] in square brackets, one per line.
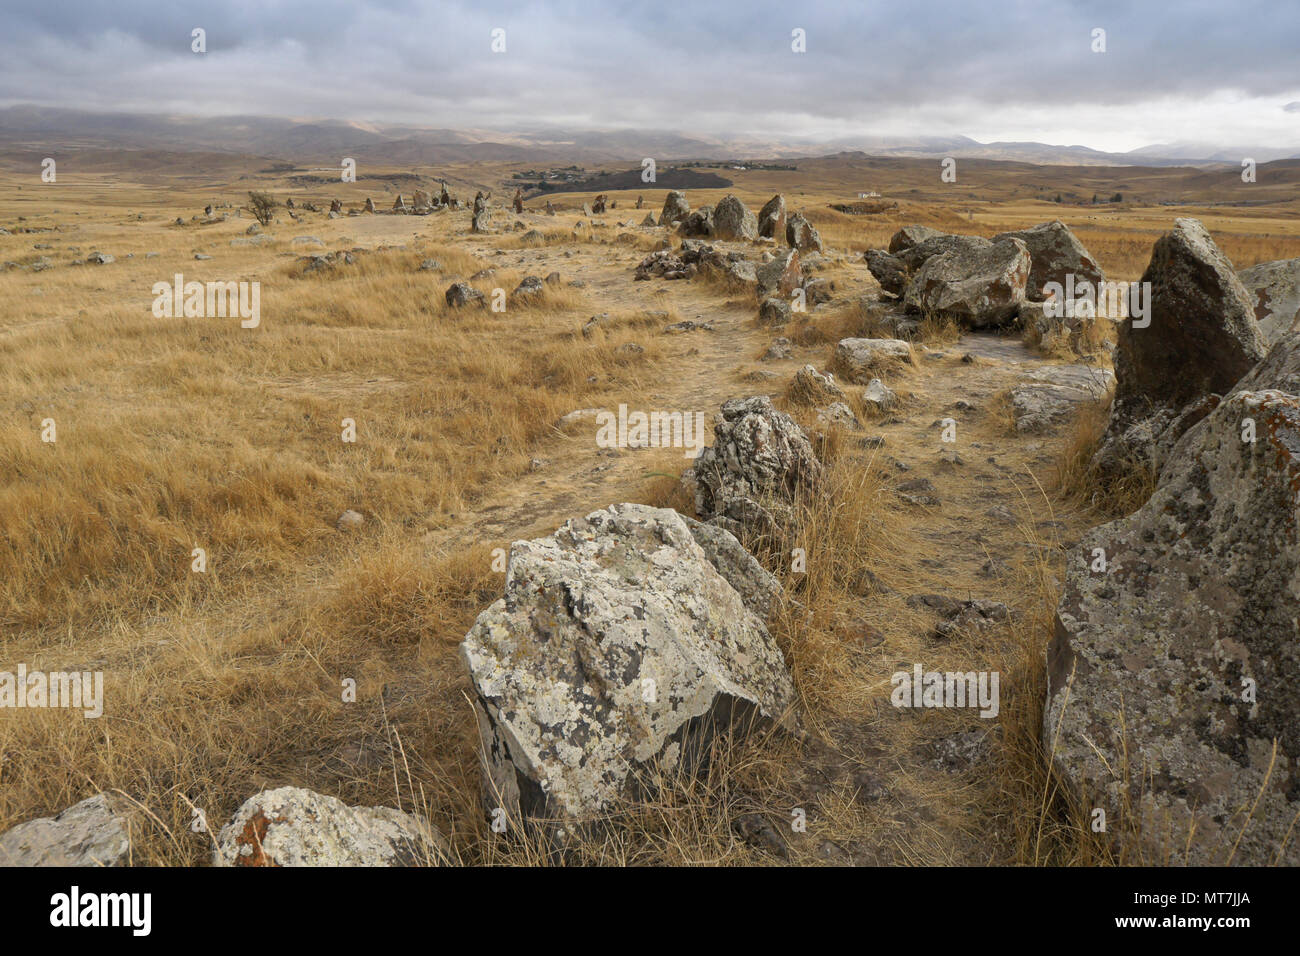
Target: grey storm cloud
[664, 64]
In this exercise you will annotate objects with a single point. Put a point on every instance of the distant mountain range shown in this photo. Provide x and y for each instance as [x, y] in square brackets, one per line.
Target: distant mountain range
[36, 128]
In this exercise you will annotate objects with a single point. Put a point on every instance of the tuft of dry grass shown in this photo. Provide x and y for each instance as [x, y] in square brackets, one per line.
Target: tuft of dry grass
[1078, 478]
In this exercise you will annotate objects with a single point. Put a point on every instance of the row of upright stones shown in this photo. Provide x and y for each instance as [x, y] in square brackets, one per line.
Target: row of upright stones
[630, 638]
[1172, 668]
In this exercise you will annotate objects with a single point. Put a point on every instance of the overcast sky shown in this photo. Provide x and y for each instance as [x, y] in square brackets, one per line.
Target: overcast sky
[1207, 71]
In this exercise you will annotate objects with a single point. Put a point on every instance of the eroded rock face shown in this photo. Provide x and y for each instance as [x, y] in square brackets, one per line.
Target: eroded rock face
[1201, 339]
[1199, 599]
[1274, 289]
[979, 286]
[1055, 252]
[772, 218]
[619, 648]
[759, 464]
[90, 833]
[758, 588]
[675, 207]
[733, 220]
[290, 826]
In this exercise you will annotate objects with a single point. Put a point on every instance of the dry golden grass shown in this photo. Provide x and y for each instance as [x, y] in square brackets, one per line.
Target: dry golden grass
[1112, 495]
[177, 434]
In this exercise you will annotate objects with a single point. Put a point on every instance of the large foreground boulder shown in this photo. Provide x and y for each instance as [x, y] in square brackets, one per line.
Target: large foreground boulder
[1274, 289]
[1174, 670]
[1201, 339]
[1055, 253]
[733, 220]
[759, 465]
[978, 286]
[93, 832]
[618, 651]
[290, 826]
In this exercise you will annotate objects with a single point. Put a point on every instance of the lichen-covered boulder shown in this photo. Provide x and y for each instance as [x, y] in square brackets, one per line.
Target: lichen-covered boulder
[460, 294]
[1055, 253]
[93, 832]
[481, 219]
[733, 220]
[290, 826]
[758, 588]
[1173, 667]
[1274, 289]
[771, 219]
[1201, 339]
[758, 466]
[917, 254]
[801, 234]
[979, 286]
[781, 276]
[617, 652]
[531, 288]
[675, 208]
